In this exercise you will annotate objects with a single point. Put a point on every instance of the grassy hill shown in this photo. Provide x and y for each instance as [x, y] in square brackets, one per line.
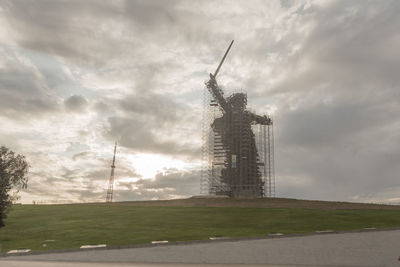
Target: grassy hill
[259, 203]
[126, 223]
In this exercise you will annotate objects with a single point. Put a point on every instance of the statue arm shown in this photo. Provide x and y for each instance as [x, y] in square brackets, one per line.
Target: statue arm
[263, 120]
[217, 93]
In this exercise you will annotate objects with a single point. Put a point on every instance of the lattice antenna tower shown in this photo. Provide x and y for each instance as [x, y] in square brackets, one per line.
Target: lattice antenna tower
[110, 190]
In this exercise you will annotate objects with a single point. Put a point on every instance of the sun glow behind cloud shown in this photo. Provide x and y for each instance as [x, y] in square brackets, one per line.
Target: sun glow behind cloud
[148, 165]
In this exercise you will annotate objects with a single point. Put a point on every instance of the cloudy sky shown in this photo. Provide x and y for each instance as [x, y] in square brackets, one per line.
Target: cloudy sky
[77, 75]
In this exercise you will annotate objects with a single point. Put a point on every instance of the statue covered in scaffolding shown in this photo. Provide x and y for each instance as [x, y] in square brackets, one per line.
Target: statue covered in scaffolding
[234, 149]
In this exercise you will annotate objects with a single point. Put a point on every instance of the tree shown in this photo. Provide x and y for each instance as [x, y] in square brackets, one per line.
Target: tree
[13, 175]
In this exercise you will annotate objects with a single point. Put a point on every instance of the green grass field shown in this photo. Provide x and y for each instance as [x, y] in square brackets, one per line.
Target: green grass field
[28, 226]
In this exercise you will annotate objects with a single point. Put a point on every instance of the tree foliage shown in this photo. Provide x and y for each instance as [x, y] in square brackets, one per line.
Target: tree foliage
[13, 176]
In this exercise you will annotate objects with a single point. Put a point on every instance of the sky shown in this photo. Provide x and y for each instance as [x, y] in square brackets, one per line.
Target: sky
[76, 76]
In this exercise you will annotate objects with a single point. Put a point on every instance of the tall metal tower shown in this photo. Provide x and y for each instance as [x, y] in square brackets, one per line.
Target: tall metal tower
[110, 190]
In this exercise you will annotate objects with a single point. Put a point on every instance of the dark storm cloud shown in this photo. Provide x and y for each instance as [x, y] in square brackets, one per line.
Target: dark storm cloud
[76, 103]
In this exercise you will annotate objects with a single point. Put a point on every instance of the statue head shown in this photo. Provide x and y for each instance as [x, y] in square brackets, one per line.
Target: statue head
[237, 101]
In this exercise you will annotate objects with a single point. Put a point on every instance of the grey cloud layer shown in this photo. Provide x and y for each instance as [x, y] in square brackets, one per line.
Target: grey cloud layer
[147, 122]
[329, 68]
[345, 91]
[22, 91]
[76, 103]
[172, 184]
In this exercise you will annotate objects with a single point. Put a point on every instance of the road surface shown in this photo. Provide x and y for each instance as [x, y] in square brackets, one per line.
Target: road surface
[370, 248]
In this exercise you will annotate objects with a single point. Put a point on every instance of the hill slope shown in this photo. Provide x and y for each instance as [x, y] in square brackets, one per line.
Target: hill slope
[127, 223]
[259, 203]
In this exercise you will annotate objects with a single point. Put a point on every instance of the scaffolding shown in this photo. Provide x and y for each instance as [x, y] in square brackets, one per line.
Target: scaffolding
[238, 157]
[265, 148]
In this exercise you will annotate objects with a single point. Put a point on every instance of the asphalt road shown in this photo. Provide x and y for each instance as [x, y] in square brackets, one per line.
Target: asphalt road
[374, 248]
